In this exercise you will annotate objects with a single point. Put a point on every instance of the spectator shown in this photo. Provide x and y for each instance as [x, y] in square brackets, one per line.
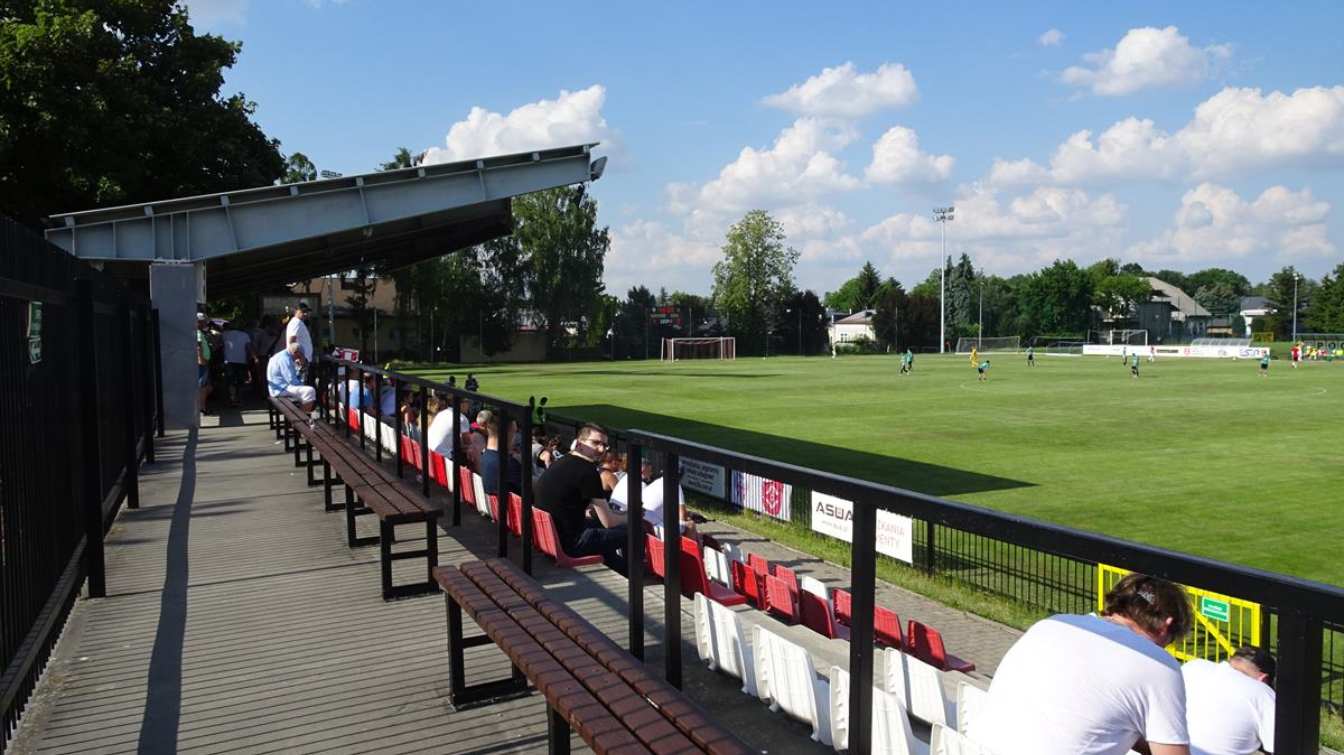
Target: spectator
[283, 373]
[1229, 706]
[542, 451]
[387, 403]
[620, 494]
[296, 332]
[203, 354]
[612, 468]
[571, 490]
[472, 384]
[266, 340]
[652, 503]
[410, 420]
[475, 440]
[441, 431]
[490, 459]
[238, 358]
[1094, 685]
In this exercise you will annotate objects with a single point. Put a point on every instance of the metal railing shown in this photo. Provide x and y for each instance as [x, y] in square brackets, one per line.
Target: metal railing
[79, 409]
[1042, 564]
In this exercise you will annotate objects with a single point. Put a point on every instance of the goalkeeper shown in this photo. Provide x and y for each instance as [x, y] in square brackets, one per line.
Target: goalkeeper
[975, 356]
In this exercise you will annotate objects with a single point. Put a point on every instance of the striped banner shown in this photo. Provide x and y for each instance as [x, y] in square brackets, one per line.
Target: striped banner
[769, 497]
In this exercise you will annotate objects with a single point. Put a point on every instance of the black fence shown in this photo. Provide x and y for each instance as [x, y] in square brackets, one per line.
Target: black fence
[1044, 565]
[78, 410]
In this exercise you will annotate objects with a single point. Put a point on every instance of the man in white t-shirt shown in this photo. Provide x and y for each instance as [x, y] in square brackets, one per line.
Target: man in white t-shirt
[237, 360]
[1230, 705]
[297, 332]
[1094, 685]
[441, 430]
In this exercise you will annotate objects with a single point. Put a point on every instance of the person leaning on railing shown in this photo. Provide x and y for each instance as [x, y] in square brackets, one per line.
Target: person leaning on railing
[1094, 685]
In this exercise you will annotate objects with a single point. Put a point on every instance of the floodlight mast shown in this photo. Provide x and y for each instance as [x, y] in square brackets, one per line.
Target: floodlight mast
[942, 216]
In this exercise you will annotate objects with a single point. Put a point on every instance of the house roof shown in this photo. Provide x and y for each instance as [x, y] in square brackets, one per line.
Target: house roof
[1256, 302]
[1180, 300]
[862, 317]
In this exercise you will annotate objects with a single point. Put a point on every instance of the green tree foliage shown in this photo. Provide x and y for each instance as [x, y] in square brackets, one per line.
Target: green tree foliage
[860, 292]
[562, 250]
[845, 298]
[1326, 312]
[1217, 276]
[635, 337]
[1057, 298]
[110, 103]
[801, 309]
[962, 298]
[1279, 289]
[929, 286]
[755, 273]
[361, 286]
[298, 168]
[1175, 278]
[1218, 298]
[401, 159]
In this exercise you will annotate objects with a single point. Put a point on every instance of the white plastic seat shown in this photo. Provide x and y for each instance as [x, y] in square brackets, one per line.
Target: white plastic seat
[722, 643]
[891, 732]
[919, 687]
[945, 741]
[970, 700]
[482, 502]
[717, 568]
[390, 442]
[786, 677]
[732, 552]
[814, 586]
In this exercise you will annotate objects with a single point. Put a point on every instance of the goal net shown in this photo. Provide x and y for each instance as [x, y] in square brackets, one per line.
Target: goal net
[1119, 337]
[988, 343]
[699, 348]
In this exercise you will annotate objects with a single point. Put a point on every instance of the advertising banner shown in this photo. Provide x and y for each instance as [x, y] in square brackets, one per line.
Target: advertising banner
[835, 517]
[703, 478]
[769, 497]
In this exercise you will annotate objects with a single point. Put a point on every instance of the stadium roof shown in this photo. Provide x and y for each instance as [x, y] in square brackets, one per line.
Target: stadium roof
[1178, 299]
[289, 232]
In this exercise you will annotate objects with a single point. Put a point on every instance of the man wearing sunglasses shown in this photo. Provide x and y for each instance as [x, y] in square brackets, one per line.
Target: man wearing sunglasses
[571, 491]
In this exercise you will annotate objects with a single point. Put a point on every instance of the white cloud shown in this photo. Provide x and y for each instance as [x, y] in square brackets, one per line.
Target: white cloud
[1214, 223]
[897, 159]
[1051, 38]
[571, 118]
[210, 13]
[798, 166]
[844, 92]
[1233, 132]
[645, 252]
[1145, 58]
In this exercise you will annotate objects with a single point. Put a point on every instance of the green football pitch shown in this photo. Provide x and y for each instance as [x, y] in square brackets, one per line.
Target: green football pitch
[1202, 456]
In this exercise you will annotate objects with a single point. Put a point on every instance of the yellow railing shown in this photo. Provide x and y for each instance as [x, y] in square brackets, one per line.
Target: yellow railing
[1222, 623]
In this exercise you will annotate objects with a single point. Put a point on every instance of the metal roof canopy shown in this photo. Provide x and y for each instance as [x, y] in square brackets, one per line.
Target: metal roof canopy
[278, 234]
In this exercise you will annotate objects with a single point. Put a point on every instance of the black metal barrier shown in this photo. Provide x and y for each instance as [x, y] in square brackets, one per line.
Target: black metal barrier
[79, 410]
[1304, 611]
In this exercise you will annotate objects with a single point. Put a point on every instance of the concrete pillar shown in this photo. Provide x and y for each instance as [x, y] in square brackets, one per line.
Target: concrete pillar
[173, 287]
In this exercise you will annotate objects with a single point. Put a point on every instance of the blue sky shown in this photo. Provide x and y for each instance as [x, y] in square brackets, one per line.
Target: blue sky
[1177, 135]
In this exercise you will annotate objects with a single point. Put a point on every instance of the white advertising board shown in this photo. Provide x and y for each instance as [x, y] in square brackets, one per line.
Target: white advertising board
[703, 478]
[769, 497]
[1197, 352]
[835, 517]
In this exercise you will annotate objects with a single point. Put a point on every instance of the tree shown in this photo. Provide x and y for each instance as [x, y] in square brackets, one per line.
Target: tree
[962, 298]
[845, 298]
[1326, 313]
[634, 333]
[1218, 298]
[929, 287]
[1282, 288]
[401, 159]
[755, 273]
[362, 286]
[1217, 276]
[1121, 294]
[564, 250]
[887, 317]
[1173, 277]
[111, 103]
[298, 168]
[1056, 299]
[801, 309]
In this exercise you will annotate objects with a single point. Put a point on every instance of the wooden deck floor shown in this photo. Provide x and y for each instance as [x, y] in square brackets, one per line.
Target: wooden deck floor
[238, 621]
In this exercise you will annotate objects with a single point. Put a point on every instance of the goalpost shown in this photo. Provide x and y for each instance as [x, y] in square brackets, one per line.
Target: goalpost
[1119, 337]
[984, 344]
[674, 349]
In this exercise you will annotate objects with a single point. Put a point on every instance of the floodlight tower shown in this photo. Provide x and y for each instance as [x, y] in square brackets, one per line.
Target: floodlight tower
[1296, 277]
[942, 216]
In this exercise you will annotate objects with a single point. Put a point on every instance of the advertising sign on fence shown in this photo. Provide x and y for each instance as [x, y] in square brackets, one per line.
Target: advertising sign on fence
[769, 497]
[835, 517]
[703, 478]
[349, 355]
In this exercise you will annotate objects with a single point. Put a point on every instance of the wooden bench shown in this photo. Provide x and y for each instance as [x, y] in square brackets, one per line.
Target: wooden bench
[369, 489]
[590, 684]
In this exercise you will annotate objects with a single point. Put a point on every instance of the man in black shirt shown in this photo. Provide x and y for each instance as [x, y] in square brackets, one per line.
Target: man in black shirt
[571, 491]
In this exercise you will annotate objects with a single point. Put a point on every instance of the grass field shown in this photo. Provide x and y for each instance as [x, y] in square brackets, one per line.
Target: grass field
[1201, 456]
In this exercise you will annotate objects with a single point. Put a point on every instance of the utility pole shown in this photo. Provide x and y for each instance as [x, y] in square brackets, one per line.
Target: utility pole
[1296, 277]
[800, 330]
[980, 329]
[942, 216]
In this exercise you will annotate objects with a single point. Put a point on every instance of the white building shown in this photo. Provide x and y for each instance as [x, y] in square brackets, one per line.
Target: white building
[855, 327]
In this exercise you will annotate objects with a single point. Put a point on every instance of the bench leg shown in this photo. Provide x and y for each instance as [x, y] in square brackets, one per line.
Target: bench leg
[385, 556]
[352, 510]
[327, 504]
[431, 552]
[557, 733]
[462, 696]
[298, 441]
[308, 462]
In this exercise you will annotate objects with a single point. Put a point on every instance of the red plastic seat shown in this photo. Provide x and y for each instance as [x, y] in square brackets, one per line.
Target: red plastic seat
[778, 600]
[493, 501]
[844, 606]
[438, 469]
[414, 448]
[465, 482]
[926, 643]
[548, 542]
[654, 562]
[516, 514]
[789, 578]
[747, 582]
[758, 564]
[695, 580]
[352, 419]
[887, 628]
[816, 615]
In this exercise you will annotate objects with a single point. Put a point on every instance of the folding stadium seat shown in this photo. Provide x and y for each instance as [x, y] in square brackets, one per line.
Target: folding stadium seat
[478, 486]
[789, 577]
[516, 514]
[493, 506]
[694, 580]
[815, 614]
[891, 732]
[716, 566]
[887, 628]
[927, 645]
[758, 564]
[722, 643]
[945, 741]
[548, 542]
[814, 586]
[404, 448]
[919, 687]
[844, 607]
[352, 419]
[438, 470]
[970, 700]
[779, 600]
[731, 551]
[747, 582]
[654, 558]
[786, 676]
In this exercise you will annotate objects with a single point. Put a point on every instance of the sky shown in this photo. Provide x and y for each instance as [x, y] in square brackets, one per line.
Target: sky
[1176, 135]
